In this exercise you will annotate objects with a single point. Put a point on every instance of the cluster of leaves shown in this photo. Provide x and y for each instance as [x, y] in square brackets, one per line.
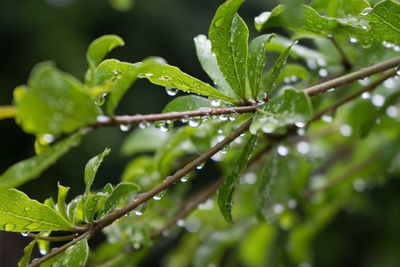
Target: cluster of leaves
[271, 203]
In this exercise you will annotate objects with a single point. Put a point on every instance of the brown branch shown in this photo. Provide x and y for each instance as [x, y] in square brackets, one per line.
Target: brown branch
[344, 176]
[134, 119]
[59, 250]
[349, 78]
[52, 238]
[354, 95]
[189, 205]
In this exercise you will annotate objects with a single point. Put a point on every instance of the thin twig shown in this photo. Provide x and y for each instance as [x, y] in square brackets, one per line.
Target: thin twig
[57, 251]
[354, 95]
[344, 176]
[53, 238]
[189, 205]
[349, 78]
[345, 60]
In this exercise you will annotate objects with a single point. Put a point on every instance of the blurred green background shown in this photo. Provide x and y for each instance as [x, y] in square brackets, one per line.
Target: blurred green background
[61, 30]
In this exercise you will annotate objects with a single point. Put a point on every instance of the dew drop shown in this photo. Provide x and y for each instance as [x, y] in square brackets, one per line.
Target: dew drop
[323, 72]
[346, 130]
[292, 203]
[327, 118]
[225, 149]
[215, 103]
[148, 74]
[219, 21]
[359, 185]
[321, 62]
[303, 147]
[366, 11]
[140, 209]
[9, 227]
[398, 70]
[48, 138]
[144, 125]
[194, 122]
[232, 116]
[282, 150]
[311, 64]
[159, 195]
[163, 126]
[136, 246]
[24, 234]
[378, 100]
[180, 223]
[223, 117]
[353, 40]
[387, 44]
[392, 111]
[100, 99]
[300, 124]
[201, 166]
[301, 132]
[171, 91]
[43, 251]
[250, 178]
[331, 90]
[124, 127]
[27, 208]
[278, 208]
[185, 178]
[366, 95]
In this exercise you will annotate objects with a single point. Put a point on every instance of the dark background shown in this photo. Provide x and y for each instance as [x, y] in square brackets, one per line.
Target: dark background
[34, 31]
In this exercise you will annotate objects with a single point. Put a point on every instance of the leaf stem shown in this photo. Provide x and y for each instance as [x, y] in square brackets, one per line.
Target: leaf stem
[345, 60]
[53, 238]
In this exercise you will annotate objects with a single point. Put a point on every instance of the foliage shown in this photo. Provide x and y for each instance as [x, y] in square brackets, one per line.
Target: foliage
[292, 160]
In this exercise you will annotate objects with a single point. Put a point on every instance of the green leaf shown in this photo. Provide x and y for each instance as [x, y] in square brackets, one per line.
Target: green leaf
[54, 102]
[24, 261]
[99, 48]
[229, 36]
[256, 62]
[28, 169]
[209, 64]
[291, 107]
[225, 193]
[120, 192]
[274, 186]
[90, 172]
[118, 76]
[340, 8]
[279, 66]
[172, 77]
[186, 103]
[122, 5]
[75, 255]
[92, 204]
[61, 206]
[311, 22]
[384, 22]
[143, 140]
[18, 213]
[370, 120]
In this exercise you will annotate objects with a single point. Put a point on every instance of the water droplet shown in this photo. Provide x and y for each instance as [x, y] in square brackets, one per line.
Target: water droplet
[278, 208]
[250, 178]
[389, 83]
[171, 91]
[366, 95]
[219, 21]
[321, 62]
[159, 195]
[232, 116]
[263, 17]
[27, 208]
[144, 124]
[392, 111]
[199, 167]
[223, 117]
[353, 40]
[124, 127]
[185, 178]
[300, 132]
[292, 203]
[366, 11]
[215, 103]
[140, 75]
[327, 118]
[311, 64]
[100, 99]
[345, 130]
[136, 246]
[331, 90]
[43, 251]
[398, 70]
[359, 185]
[387, 44]
[180, 223]
[140, 209]
[47, 138]
[9, 227]
[219, 131]
[194, 122]
[24, 234]
[323, 72]
[225, 149]
[282, 150]
[163, 126]
[148, 74]
[396, 48]
[303, 147]
[378, 100]
[300, 124]
[103, 119]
